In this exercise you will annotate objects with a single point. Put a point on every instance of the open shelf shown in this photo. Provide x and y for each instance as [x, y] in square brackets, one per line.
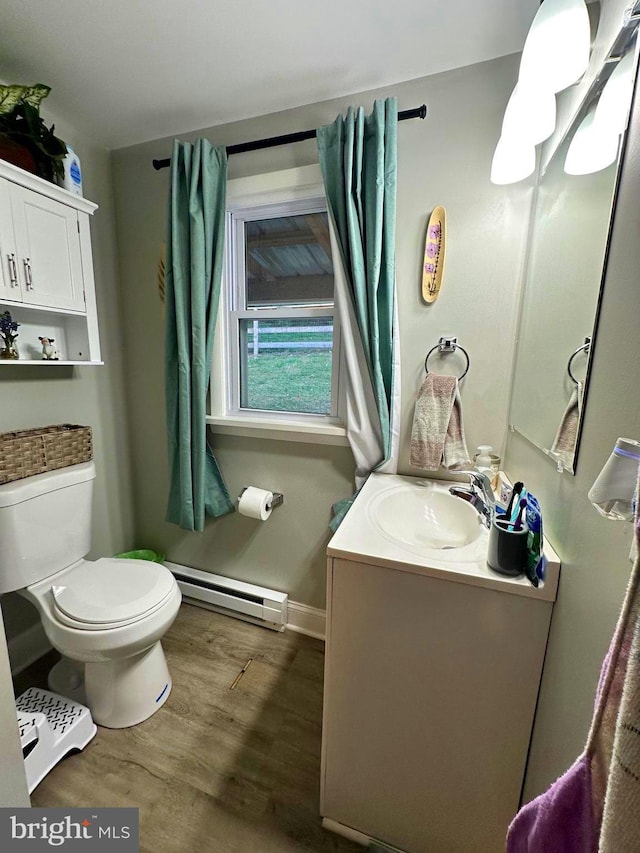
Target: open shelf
[12, 305]
[31, 361]
[68, 331]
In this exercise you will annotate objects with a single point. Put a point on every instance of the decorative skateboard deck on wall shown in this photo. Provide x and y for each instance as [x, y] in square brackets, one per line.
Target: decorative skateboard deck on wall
[434, 249]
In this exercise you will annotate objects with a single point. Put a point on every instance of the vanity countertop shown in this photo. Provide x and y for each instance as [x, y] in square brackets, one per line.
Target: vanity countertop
[360, 538]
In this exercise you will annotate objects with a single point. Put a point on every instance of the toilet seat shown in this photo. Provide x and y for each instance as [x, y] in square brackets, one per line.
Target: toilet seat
[110, 593]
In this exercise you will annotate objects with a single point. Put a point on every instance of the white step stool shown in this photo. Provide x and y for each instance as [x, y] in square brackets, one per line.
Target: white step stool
[56, 725]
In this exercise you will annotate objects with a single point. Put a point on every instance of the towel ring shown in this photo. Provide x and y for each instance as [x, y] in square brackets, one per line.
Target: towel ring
[584, 348]
[446, 345]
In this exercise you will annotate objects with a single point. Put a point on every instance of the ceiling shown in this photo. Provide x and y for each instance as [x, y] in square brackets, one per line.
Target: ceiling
[132, 70]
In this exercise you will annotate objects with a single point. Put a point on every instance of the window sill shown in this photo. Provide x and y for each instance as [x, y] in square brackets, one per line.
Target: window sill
[279, 429]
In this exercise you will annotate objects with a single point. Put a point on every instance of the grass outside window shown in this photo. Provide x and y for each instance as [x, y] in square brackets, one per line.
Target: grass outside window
[288, 365]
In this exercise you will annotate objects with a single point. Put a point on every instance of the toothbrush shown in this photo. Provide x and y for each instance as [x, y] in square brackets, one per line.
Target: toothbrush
[518, 487]
[516, 509]
[521, 513]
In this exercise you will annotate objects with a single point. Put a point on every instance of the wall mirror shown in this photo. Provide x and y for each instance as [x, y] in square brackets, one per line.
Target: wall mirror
[564, 269]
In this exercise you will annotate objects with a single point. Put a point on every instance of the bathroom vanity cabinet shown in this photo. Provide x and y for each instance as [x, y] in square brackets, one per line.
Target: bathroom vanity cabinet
[46, 268]
[431, 681]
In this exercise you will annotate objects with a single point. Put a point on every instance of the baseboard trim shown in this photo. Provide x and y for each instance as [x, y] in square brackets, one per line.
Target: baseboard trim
[26, 647]
[306, 620]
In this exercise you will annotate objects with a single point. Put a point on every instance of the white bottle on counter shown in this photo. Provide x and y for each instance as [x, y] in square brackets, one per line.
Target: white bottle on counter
[72, 180]
[483, 458]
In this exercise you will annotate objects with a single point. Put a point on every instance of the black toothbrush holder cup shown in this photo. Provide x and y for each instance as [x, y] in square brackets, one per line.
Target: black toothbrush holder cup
[507, 551]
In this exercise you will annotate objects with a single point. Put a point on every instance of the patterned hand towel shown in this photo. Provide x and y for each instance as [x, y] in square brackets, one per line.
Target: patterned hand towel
[437, 436]
[564, 444]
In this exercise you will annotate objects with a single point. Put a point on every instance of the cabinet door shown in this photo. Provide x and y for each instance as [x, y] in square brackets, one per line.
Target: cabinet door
[10, 289]
[430, 692]
[48, 248]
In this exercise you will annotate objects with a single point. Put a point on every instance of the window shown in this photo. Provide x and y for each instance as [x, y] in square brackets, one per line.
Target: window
[282, 341]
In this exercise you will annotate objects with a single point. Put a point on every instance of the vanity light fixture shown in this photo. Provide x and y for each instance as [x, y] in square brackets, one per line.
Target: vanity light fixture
[556, 52]
[555, 55]
[612, 111]
[593, 147]
[514, 160]
[530, 115]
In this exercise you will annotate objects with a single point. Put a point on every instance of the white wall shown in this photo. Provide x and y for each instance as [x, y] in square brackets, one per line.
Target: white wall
[447, 161]
[443, 160]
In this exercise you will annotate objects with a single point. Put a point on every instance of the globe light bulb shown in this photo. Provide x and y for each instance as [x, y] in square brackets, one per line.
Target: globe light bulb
[612, 111]
[530, 115]
[556, 52]
[592, 148]
[513, 160]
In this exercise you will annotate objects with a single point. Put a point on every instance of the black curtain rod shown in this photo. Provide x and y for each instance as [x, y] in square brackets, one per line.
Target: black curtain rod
[257, 144]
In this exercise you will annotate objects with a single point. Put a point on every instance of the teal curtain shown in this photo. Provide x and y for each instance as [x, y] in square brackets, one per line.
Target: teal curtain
[358, 156]
[195, 252]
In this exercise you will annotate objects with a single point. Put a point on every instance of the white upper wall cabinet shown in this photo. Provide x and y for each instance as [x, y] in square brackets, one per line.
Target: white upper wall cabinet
[47, 238]
[46, 268]
[9, 284]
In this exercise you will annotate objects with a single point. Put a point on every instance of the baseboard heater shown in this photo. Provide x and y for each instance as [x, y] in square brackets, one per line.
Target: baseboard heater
[234, 598]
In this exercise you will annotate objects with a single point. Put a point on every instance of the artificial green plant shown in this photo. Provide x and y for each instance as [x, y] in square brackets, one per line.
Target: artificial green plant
[20, 121]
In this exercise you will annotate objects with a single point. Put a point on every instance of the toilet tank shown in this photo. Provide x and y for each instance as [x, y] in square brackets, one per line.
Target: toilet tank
[45, 524]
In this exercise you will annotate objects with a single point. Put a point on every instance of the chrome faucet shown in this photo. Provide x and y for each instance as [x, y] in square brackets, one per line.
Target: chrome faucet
[479, 494]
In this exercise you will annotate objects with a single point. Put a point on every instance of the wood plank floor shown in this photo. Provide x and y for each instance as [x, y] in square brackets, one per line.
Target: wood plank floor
[214, 769]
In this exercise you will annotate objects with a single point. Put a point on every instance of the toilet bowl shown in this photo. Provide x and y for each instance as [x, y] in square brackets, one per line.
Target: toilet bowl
[106, 616]
[110, 615]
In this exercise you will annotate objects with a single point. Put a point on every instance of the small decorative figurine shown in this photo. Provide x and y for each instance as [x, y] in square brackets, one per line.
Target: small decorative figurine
[49, 352]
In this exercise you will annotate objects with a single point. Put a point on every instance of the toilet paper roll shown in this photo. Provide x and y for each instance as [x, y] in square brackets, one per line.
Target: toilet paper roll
[255, 503]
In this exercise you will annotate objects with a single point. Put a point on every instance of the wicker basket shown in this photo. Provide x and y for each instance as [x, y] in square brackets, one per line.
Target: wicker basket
[34, 451]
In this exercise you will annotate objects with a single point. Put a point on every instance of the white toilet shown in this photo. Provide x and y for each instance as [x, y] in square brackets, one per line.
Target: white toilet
[106, 616]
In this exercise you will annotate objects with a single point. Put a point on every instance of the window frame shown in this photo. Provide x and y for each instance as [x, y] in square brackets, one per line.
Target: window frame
[237, 291]
[288, 193]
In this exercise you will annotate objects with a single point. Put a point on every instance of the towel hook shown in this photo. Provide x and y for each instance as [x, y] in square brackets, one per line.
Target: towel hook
[448, 344]
[586, 347]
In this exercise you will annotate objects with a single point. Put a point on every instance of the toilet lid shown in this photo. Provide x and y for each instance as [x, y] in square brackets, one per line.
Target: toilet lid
[111, 590]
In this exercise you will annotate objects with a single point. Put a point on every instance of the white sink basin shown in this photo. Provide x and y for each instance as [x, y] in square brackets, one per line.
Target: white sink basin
[414, 524]
[424, 516]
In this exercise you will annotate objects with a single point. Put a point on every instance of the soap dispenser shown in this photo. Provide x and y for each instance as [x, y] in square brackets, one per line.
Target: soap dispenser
[483, 458]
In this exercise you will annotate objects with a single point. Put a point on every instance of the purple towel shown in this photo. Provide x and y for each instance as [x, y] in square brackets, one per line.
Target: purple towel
[568, 817]
[560, 820]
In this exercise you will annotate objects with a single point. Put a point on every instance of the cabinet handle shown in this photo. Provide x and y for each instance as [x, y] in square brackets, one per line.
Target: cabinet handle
[27, 274]
[13, 272]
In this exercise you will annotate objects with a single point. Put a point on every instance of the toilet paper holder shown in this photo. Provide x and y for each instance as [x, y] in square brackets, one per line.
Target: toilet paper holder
[278, 498]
